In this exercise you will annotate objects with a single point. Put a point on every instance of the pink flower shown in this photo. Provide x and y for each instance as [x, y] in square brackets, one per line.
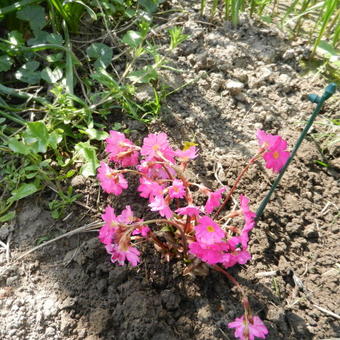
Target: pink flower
[212, 253]
[119, 256]
[276, 155]
[108, 230]
[153, 170]
[176, 190]
[248, 329]
[276, 159]
[159, 204]
[142, 230]
[111, 180]
[208, 231]
[106, 234]
[156, 143]
[249, 216]
[213, 200]
[266, 140]
[190, 210]
[186, 155]
[238, 252]
[149, 188]
[121, 150]
[126, 217]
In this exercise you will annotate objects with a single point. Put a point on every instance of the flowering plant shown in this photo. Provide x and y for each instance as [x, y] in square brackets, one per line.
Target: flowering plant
[194, 233]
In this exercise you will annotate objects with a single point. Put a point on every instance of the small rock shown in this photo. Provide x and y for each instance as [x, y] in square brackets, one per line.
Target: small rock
[12, 280]
[68, 303]
[50, 331]
[144, 93]
[289, 54]
[310, 232]
[4, 232]
[78, 180]
[204, 313]
[234, 86]
[50, 308]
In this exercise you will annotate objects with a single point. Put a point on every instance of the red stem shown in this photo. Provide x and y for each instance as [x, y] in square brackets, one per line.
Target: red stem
[238, 179]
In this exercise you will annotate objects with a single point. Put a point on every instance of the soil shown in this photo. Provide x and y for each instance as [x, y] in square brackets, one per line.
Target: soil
[237, 81]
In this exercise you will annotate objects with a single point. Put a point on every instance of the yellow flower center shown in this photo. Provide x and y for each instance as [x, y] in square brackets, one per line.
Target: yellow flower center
[109, 174]
[210, 228]
[276, 155]
[155, 147]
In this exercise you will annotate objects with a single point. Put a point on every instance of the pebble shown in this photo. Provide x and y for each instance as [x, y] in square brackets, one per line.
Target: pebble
[289, 54]
[234, 86]
[12, 280]
[50, 331]
[310, 232]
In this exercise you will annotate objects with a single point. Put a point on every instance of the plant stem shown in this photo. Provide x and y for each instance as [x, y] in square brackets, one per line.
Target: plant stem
[231, 191]
[231, 279]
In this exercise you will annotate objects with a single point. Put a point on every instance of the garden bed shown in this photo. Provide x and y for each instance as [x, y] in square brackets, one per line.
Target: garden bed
[233, 82]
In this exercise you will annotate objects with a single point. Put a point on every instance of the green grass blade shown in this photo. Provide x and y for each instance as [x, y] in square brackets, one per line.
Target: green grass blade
[69, 62]
[325, 19]
[203, 4]
[17, 6]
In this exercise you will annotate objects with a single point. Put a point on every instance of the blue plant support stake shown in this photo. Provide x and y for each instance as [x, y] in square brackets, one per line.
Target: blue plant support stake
[329, 91]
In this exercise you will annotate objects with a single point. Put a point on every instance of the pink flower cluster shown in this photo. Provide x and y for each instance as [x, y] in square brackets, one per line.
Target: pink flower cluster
[247, 328]
[212, 244]
[276, 154]
[162, 182]
[115, 231]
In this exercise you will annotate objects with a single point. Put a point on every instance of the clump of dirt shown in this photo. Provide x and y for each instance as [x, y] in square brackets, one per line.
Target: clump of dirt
[234, 81]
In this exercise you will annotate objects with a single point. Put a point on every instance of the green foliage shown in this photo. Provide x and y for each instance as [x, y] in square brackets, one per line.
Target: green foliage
[70, 102]
[101, 53]
[59, 205]
[176, 36]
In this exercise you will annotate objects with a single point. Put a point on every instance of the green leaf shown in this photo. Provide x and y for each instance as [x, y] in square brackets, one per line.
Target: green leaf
[89, 10]
[18, 146]
[51, 76]
[7, 217]
[144, 75]
[16, 38]
[87, 153]
[27, 73]
[40, 37]
[322, 164]
[96, 134]
[327, 49]
[37, 136]
[149, 5]
[35, 15]
[5, 63]
[24, 190]
[53, 58]
[132, 38]
[55, 138]
[55, 38]
[102, 53]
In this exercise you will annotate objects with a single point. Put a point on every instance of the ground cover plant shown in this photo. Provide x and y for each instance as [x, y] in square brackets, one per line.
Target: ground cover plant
[65, 123]
[192, 232]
